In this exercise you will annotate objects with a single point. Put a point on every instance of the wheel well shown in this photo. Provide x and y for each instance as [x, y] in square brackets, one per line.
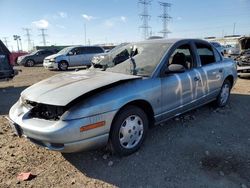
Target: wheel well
[64, 61]
[231, 79]
[145, 106]
[29, 60]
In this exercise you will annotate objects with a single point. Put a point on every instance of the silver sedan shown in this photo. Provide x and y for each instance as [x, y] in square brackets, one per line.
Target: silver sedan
[150, 82]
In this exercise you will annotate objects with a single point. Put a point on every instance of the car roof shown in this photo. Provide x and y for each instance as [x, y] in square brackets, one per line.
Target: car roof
[83, 46]
[171, 41]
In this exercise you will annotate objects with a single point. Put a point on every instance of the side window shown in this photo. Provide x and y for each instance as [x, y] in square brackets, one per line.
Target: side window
[206, 54]
[183, 56]
[92, 50]
[45, 52]
[98, 50]
[75, 51]
[49, 53]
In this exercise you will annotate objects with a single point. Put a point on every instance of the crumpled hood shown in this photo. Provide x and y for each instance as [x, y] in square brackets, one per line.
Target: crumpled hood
[53, 56]
[244, 43]
[63, 88]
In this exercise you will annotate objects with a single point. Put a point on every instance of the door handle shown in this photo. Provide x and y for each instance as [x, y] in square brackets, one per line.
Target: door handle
[220, 70]
[197, 79]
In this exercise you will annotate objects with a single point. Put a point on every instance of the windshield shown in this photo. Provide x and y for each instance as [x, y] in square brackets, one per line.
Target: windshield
[138, 58]
[65, 50]
[117, 47]
[33, 53]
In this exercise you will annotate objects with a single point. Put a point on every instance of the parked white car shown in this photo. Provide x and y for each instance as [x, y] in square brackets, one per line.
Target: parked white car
[72, 56]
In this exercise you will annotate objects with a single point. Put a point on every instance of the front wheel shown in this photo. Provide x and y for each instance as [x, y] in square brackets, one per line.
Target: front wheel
[63, 65]
[223, 97]
[29, 63]
[128, 130]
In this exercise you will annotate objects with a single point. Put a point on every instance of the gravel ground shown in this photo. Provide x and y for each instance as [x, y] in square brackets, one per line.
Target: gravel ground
[204, 148]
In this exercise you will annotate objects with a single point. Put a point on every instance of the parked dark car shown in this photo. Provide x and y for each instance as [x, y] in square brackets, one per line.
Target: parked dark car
[33, 58]
[6, 70]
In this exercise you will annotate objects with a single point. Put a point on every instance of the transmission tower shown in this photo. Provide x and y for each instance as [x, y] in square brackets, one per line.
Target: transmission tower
[6, 41]
[27, 30]
[165, 18]
[145, 17]
[43, 36]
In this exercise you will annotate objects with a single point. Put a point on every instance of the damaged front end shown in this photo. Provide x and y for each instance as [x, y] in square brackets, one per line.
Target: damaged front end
[45, 111]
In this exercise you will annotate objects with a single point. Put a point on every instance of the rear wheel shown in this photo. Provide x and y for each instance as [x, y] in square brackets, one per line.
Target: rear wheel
[63, 65]
[29, 63]
[224, 95]
[128, 130]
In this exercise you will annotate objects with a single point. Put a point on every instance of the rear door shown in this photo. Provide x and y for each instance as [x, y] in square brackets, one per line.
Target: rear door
[44, 54]
[89, 53]
[210, 67]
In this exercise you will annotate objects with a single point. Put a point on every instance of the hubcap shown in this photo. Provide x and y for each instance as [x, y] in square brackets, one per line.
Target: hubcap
[30, 63]
[224, 94]
[131, 131]
[63, 66]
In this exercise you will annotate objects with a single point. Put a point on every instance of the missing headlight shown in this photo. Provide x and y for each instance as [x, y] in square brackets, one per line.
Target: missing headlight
[48, 112]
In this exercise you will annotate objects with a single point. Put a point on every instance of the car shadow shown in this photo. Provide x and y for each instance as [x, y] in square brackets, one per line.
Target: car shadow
[172, 153]
[71, 69]
[8, 97]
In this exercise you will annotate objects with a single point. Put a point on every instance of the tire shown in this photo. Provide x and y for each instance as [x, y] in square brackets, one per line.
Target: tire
[127, 134]
[224, 95]
[63, 65]
[29, 63]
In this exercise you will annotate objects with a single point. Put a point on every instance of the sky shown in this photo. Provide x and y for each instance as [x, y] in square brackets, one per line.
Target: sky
[117, 21]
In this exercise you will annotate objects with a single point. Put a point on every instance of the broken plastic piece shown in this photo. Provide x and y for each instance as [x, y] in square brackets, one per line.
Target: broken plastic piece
[25, 176]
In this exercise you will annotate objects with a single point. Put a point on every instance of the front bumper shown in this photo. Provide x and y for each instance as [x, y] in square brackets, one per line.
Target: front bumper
[63, 136]
[21, 61]
[50, 65]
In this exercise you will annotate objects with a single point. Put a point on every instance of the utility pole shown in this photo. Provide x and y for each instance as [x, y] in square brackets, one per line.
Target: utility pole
[17, 38]
[145, 17]
[165, 18]
[43, 36]
[234, 29]
[27, 30]
[21, 46]
[85, 34]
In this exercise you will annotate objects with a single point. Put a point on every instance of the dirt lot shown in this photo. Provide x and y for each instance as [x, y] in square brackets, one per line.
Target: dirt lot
[205, 148]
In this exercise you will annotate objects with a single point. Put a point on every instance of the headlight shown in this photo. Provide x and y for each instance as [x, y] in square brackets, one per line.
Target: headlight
[97, 59]
[52, 60]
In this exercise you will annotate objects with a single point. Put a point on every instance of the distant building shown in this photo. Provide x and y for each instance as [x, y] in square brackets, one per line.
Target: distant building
[229, 39]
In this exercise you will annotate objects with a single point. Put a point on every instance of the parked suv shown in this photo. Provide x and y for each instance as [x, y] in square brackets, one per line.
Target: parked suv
[33, 58]
[6, 70]
[72, 56]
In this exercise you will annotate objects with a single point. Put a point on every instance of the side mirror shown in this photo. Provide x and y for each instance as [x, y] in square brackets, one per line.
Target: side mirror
[70, 53]
[175, 68]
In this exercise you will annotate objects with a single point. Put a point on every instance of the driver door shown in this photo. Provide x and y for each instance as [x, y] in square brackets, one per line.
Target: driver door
[180, 89]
